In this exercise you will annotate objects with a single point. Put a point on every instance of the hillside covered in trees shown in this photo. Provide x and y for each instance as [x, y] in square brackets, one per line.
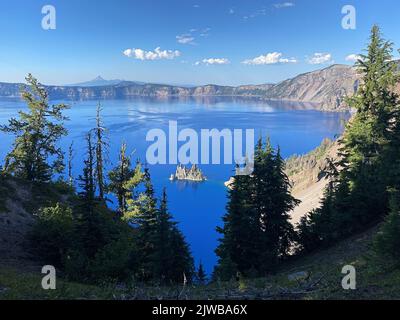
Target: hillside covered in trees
[77, 232]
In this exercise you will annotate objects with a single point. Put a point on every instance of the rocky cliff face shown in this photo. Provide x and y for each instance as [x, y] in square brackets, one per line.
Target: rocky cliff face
[10, 89]
[326, 88]
[192, 174]
[130, 89]
[308, 169]
[308, 178]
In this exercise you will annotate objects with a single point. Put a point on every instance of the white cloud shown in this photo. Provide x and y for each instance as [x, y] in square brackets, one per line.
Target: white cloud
[261, 12]
[320, 58]
[213, 61]
[284, 5]
[205, 32]
[264, 11]
[231, 11]
[157, 54]
[353, 57]
[269, 58]
[190, 37]
[185, 39]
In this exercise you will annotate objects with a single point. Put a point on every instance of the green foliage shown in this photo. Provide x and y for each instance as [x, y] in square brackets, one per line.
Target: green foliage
[180, 260]
[145, 219]
[70, 158]
[323, 226]
[368, 135]
[36, 135]
[27, 286]
[257, 233]
[86, 247]
[87, 180]
[89, 242]
[100, 151]
[164, 255]
[81, 236]
[52, 235]
[123, 182]
[387, 241]
[113, 260]
[238, 247]
[201, 276]
[4, 193]
[274, 202]
[76, 265]
[85, 241]
[298, 163]
[357, 196]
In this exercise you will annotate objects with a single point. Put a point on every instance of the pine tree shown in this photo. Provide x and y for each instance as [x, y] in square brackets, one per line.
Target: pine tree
[87, 180]
[145, 219]
[37, 133]
[89, 223]
[284, 203]
[70, 159]
[173, 257]
[257, 233]
[182, 261]
[369, 164]
[164, 255]
[368, 135]
[237, 250]
[201, 274]
[273, 203]
[101, 149]
[162, 246]
[387, 241]
[123, 182]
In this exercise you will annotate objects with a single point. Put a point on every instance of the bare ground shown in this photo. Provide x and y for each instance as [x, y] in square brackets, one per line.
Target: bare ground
[308, 179]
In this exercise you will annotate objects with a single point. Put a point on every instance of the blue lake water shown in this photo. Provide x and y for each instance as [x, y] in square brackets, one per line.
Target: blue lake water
[198, 207]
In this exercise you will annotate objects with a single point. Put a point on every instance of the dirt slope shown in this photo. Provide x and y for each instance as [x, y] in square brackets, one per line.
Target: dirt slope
[306, 174]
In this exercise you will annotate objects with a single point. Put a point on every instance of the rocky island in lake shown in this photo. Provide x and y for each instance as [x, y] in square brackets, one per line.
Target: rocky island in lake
[192, 174]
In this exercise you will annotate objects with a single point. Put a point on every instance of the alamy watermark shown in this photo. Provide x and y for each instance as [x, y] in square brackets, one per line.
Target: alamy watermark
[49, 280]
[226, 147]
[349, 280]
[349, 21]
[49, 21]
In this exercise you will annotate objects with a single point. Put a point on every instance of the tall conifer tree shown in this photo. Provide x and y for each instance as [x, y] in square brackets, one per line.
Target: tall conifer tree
[101, 149]
[369, 164]
[257, 233]
[37, 133]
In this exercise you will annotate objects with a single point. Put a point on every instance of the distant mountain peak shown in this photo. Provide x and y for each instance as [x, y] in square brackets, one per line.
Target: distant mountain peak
[99, 78]
[99, 81]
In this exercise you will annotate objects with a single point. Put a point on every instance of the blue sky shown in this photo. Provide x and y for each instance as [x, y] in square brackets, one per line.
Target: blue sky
[226, 42]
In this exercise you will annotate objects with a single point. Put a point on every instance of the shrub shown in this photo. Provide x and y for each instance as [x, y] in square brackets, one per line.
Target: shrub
[387, 241]
[52, 234]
